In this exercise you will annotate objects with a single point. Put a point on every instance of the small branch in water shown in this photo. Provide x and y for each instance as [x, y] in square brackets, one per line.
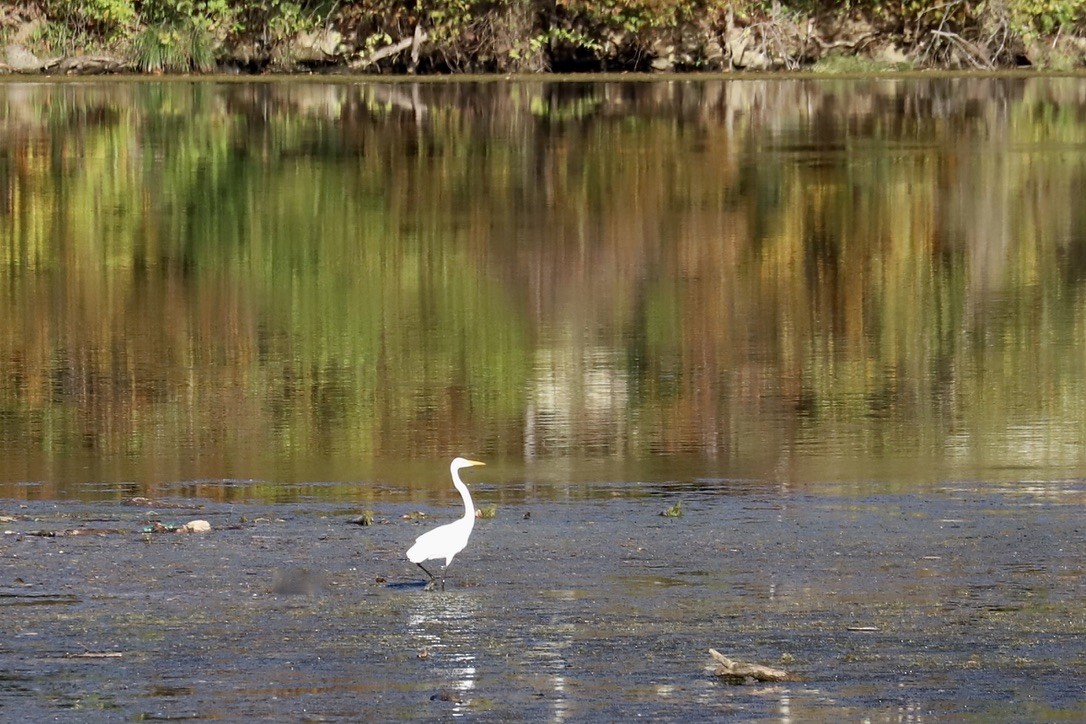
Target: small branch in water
[739, 672]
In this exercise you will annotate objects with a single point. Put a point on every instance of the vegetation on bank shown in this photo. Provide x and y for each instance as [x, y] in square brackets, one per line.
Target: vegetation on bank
[443, 36]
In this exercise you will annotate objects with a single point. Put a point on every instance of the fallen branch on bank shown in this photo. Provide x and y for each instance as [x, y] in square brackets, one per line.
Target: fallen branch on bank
[973, 53]
[19, 60]
[852, 44]
[91, 65]
[413, 41]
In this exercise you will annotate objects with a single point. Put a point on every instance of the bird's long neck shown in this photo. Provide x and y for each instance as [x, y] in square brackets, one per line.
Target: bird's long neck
[469, 507]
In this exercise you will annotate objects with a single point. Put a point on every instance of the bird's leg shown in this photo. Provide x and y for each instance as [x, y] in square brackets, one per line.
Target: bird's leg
[430, 583]
[443, 577]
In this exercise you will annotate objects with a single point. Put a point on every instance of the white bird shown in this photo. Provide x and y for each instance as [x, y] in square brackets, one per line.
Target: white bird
[447, 540]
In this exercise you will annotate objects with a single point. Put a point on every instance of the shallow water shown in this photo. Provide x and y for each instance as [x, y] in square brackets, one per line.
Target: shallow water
[962, 603]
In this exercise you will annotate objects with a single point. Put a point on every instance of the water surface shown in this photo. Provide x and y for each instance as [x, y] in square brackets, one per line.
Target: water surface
[807, 280]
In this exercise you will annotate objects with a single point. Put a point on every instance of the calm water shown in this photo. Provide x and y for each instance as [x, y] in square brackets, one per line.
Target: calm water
[859, 282]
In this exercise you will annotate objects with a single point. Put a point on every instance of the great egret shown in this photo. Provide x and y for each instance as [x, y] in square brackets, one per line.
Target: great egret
[447, 540]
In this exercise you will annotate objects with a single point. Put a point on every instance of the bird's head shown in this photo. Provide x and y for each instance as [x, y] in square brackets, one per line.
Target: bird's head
[460, 463]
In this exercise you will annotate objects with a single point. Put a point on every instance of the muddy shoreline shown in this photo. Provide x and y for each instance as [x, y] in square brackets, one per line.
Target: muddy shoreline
[963, 602]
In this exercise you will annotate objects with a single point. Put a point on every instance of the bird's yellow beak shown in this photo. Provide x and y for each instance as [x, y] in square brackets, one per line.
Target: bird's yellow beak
[474, 462]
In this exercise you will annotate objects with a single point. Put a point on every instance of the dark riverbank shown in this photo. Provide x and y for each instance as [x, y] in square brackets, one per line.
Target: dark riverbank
[963, 601]
[533, 36]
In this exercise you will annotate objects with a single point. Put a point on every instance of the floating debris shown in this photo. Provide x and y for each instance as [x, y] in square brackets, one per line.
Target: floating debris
[75, 531]
[367, 518]
[152, 503]
[157, 527]
[863, 628]
[675, 511]
[37, 597]
[95, 655]
[447, 695]
[528, 515]
[193, 526]
[487, 511]
[414, 515]
[743, 672]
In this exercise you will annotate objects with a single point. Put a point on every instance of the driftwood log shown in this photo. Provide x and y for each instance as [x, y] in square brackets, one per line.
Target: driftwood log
[17, 59]
[741, 672]
[91, 65]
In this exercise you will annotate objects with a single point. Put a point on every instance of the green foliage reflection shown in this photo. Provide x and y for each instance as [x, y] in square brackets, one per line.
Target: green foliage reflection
[299, 280]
